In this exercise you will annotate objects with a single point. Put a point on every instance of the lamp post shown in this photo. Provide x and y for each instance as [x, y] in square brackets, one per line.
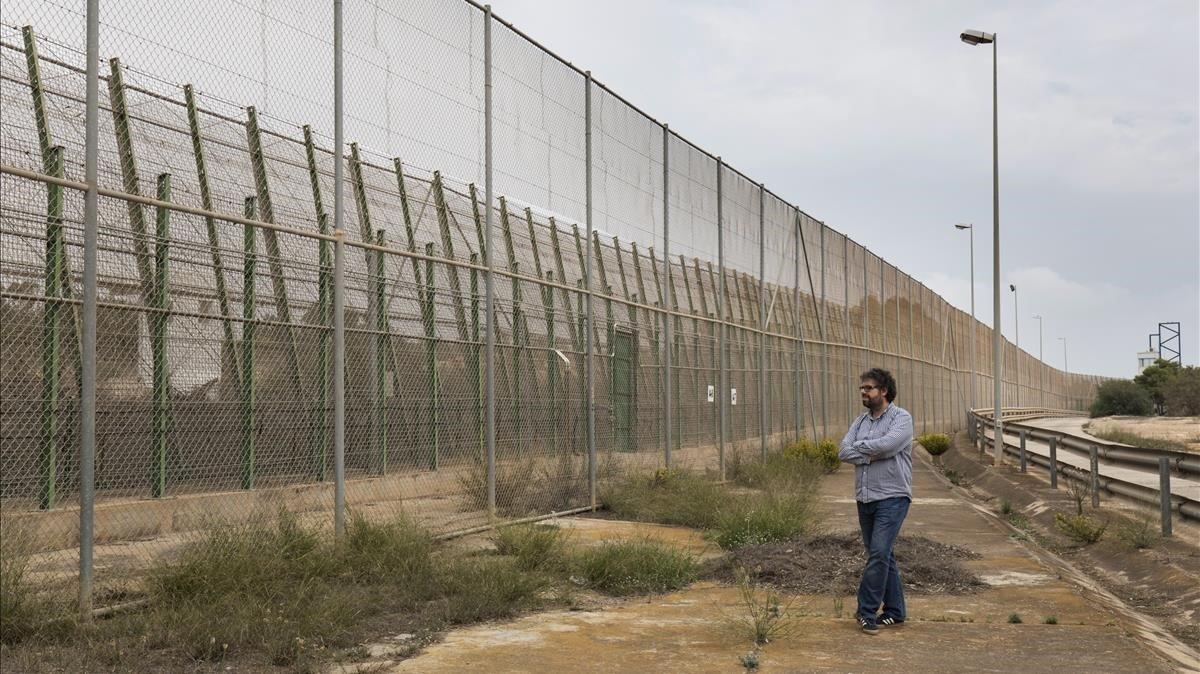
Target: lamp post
[976, 37]
[974, 387]
[1042, 375]
[1017, 339]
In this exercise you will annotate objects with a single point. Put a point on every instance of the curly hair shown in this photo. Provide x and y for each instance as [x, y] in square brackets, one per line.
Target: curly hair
[884, 379]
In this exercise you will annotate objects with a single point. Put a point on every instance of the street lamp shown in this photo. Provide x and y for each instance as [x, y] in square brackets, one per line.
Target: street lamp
[976, 37]
[974, 388]
[1064, 341]
[1017, 339]
[1042, 375]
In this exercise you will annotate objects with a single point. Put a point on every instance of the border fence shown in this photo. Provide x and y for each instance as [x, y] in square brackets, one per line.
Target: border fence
[509, 284]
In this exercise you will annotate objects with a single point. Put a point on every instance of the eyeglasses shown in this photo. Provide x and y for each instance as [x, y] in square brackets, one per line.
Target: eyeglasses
[867, 387]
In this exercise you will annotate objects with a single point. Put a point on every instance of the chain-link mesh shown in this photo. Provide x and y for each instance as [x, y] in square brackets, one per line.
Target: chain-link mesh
[216, 284]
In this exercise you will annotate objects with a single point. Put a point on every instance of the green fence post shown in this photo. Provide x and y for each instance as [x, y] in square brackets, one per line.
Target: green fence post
[431, 344]
[52, 331]
[249, 261]
[381, 354]
[161, 421]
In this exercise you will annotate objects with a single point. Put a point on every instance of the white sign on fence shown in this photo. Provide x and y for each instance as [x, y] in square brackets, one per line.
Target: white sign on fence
[712, 393]
[732, 396]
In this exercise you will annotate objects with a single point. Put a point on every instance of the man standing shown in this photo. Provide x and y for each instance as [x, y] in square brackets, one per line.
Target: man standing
[879, 444]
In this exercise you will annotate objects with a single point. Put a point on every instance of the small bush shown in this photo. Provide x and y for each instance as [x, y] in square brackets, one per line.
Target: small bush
[536, 547]
[1050, 620]
[1006, 508]
[1121, 396]
[526, 485]
[483, 587]
[774, 517]
[24, 609]
[636, 567]
[1014, 618]
[936, 444]
[823, 452]
[670, 497]
[953, 476]
[1138, 534]
[763, 617]
[749, 660]
[1080, 528]
[385, 552]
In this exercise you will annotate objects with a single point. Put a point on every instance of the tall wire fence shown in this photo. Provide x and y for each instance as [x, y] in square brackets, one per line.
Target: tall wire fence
[541, 285]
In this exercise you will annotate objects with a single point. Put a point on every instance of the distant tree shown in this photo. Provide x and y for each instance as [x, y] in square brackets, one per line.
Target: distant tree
[1154, 378]
[1182, 393]
[1121, 396]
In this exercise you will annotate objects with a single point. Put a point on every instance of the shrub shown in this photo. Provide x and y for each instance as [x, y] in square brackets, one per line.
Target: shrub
[1154, 379]
[777, 516]
[1080, 528]
[1121, 396]
[763, 617]
[481, 587]
[24, 609]
[824, 453]
[1138, 533]
[1050, 620]
[636, 567]
[936, 444]
[1181, 395]
[526, 485]
[535, 546]
[670, 497]
[1014, 618]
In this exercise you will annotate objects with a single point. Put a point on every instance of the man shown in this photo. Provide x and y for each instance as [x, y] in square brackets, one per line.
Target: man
[879, 445]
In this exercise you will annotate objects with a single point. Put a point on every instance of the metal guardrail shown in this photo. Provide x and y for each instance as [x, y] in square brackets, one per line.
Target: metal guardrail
[1165, 461]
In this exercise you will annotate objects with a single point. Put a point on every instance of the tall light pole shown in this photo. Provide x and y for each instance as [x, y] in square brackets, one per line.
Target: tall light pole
[974, 388]
[1017, 339]
[1042, 370]
[976, 37]
[1064, 341]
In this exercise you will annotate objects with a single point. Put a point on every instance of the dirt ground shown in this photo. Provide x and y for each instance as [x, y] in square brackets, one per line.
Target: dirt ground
[1032, 608]
[830, 564]
[1180, 429]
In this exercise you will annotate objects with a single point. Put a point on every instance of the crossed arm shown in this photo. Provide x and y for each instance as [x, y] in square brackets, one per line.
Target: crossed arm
[860, 452]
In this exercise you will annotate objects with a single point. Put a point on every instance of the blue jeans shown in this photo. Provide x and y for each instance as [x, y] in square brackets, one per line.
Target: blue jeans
[880, 523]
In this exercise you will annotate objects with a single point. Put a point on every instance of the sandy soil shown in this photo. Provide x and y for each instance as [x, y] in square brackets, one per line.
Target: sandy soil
[1180, 429]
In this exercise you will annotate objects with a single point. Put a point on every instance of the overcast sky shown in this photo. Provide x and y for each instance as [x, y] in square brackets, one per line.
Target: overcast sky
[876, 119]
[872, 117]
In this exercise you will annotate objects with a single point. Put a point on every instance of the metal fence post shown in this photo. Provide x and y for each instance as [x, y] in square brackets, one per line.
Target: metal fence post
[796, 327]
[1094, 451]
[489, 285]
[87, 393]
[666, 317]
[1054, 463]
[1164, 493]
[1024, 463]
[824, 343]
[339, 285]
[762, 321]
[589, 321]
[249, 283]
[723, 379]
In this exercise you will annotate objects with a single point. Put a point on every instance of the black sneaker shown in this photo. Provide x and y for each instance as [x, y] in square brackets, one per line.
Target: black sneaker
[890, 621]
[868, 626]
